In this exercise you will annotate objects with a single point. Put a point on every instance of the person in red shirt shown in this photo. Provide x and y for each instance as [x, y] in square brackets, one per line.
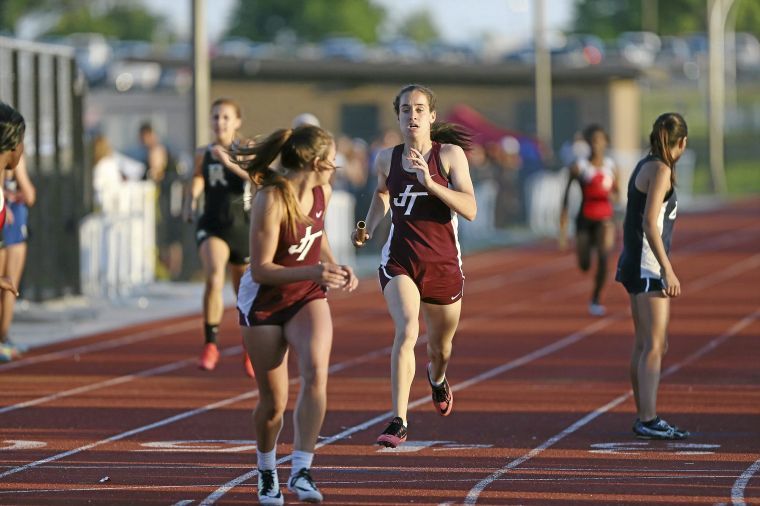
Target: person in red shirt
[425, 183]
[281, 300]
[594, 228]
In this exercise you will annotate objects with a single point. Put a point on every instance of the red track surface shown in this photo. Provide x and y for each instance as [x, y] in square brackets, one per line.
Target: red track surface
[542, 413]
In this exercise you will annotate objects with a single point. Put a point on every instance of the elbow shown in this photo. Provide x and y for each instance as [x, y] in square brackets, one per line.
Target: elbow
[258, 274]
[470, 214]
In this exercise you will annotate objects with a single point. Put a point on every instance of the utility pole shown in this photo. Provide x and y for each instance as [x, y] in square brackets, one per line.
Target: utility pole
[717, 13]
[649, 15]
[201, 74]
[543, 77]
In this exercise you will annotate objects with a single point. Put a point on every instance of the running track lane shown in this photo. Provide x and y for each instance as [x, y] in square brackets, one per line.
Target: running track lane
[527, 326]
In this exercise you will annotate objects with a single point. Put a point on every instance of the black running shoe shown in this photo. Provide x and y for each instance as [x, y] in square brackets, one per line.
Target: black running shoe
[658, 429]
[394, 435]
[443, 399]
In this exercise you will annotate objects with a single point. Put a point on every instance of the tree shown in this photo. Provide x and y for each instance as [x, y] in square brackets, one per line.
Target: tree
[11, 11]
[608, 18]
[311, 20]
[122, 21]
[119, 19]
[419, 27]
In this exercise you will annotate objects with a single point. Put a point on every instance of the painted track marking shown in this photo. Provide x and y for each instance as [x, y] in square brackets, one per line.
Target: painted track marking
[472, 495]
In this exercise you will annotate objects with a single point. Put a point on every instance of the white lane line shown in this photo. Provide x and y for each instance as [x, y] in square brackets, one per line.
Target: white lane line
[570, 339]
[105, 345]
[737, 491]
[475, 491]
[187, 414]
[155, 371]
[204, 409]
[237, 349]
[539, 353]
[733, 270]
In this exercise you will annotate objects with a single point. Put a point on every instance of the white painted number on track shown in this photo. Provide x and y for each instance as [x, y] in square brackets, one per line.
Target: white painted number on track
[200, 445]
[442, 446]
[636, 447]
[20, 444]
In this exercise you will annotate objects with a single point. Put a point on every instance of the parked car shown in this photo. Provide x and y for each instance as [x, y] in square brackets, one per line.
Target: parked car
[639, 48]
[343, 48]
[747, 51]
[92, 53]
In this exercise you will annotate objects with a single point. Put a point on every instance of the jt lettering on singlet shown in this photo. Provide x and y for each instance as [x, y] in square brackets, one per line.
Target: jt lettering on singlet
[408, 194]
[305, 244]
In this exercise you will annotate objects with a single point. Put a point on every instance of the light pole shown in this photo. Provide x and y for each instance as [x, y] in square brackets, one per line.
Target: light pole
[543, 77]
[201, 74]
[717, 13]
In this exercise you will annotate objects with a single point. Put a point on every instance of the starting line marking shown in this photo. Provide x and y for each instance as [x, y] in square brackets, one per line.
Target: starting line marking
[637, 447]
[200, 445]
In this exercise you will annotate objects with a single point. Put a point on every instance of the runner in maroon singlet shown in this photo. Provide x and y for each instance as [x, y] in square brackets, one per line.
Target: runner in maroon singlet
[594, 227]
[281, 301]
[425, 182]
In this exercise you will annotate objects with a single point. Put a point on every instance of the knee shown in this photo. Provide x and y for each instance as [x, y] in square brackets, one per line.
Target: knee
[314, 378]
[406, 335]
[215, 282]
[270, 409]
[584, 264]
[656, 348]
[440, 351]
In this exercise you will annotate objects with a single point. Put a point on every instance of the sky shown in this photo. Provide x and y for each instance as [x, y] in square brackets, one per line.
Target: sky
[508, 21]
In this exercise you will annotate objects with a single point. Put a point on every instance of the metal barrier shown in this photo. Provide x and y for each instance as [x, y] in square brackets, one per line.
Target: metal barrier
[118, 248]
[43, 82]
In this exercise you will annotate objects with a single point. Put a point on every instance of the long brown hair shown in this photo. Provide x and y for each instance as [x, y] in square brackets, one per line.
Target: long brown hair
[667, 131]
[12, 127]
[297, 148]
[445, 133]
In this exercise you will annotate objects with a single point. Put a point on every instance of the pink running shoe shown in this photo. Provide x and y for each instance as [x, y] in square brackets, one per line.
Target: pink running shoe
[209, 357]
[443, 399]
[394, 435]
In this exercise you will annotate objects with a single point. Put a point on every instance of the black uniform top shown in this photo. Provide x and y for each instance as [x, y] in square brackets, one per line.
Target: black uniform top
[637, 259]
[224, 192]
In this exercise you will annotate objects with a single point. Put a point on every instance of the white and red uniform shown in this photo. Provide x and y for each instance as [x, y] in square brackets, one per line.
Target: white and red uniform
[276, 304]
[596, 186]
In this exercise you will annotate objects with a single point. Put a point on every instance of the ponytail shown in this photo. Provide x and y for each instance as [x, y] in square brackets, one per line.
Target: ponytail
[667, 132]
[449, 133]
[296, 148]
[256, 160]
[12, 127]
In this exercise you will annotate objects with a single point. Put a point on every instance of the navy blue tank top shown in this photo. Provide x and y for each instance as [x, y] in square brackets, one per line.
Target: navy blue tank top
[637, 259]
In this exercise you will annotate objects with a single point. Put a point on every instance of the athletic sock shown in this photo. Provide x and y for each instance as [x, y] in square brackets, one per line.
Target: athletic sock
[651, 423]
[266, 461]
[301, 460]
[433, 382]
[210, 331]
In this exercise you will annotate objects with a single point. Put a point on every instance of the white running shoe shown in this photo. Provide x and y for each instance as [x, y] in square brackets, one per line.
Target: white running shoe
[269, 488]
[595, 309]
[303, 485]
